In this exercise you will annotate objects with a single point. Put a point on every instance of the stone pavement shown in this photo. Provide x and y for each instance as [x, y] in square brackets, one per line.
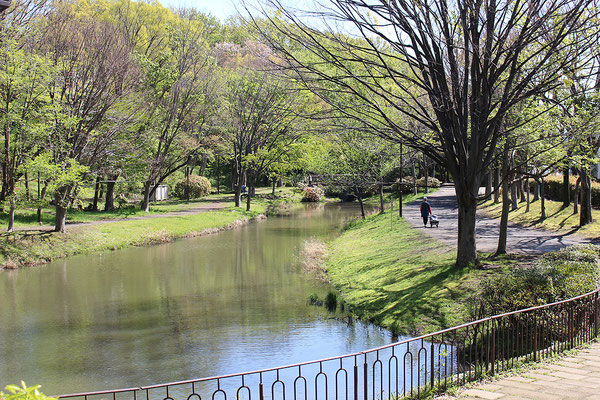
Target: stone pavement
[521, 240]
[571, 378]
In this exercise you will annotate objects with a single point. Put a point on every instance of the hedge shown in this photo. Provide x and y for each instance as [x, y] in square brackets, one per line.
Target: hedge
[553, 189]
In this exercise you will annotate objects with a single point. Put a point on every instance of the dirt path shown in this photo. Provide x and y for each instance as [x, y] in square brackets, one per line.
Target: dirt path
[521, 240]
[217, 205]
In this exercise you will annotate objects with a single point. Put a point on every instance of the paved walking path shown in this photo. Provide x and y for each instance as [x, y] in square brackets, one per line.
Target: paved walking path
[575, 377]
[520, 240]
[571, 378]
[209, 206]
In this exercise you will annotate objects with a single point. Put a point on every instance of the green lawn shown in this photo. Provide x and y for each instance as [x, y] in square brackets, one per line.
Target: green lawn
[397, 276]
[28, 217]
[33, 246]
[558, 219]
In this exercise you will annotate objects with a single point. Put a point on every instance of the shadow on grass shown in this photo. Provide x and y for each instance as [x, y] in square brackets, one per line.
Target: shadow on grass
[420, 304]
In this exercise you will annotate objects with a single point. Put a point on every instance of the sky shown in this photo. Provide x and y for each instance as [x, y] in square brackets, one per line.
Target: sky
[222, 9]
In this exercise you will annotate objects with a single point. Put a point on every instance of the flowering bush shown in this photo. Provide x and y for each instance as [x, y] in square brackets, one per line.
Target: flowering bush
[199, 186]
[312, 194]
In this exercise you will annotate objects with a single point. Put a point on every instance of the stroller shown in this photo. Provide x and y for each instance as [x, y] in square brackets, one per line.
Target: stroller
[433, 220]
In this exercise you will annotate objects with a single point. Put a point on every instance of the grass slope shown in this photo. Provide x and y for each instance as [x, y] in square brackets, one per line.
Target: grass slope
[399, 277]
[558, 219]
[34, 246]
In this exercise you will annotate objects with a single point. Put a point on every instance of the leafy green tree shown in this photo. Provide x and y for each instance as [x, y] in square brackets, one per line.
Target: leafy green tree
[354, 164]
[24, 114]
[95, 70]
[179, 88]
[261, 114]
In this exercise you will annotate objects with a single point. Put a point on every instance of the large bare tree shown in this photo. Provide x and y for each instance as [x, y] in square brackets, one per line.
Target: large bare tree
[454, 68]
[95, 70]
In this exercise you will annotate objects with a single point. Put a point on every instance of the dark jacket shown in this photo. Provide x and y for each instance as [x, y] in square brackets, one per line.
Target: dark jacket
[425, 209]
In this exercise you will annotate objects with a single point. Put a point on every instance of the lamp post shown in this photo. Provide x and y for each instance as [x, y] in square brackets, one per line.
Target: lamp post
[4, 4]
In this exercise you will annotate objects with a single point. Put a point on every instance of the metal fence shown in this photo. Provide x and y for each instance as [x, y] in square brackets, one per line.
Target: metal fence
[405, 369]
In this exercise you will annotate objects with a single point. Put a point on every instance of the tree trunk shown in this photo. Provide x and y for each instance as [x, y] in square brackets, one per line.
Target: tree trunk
[414, 174]
[401, 178]
[96, 193]
[497, 186]
[527, 191]
[521, 188]
[488, 185]
[467, 193]
[576, 196]
[11, 216]
[146, 200]
[536, 190]
[248, 199]
[362, 206]
[218, 175]
[514, 196]
[585, 215]
[250, 180]
[60, 220]
[40, 198]
[109, 203]
[542, 199]
[566, 188]
[60, 198]
[426, 174]
[503, 234]
[381, 205]
[5, 165]
[26, 177]
[186, 189]
[237, 188]
[203, 164]
[467, 249]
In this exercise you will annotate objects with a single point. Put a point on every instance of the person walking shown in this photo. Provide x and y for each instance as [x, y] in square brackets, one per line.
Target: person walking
[425, 210]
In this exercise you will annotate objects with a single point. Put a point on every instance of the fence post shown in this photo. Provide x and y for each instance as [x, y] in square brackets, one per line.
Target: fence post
[596, 314]
[432, 364]
[535, 337]
[366, 379]
[571, 326]
[493, 347]
[355, 380]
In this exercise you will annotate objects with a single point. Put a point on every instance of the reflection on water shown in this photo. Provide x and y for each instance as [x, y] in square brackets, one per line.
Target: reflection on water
[218, 304]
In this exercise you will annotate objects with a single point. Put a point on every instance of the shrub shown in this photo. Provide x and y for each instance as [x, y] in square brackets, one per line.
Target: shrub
[314, 300]
[331, 301]
[24, 393]
[432, 182]
[312, 194]
[407, 184]
[553, 189]
[199, 186]
[555, 276]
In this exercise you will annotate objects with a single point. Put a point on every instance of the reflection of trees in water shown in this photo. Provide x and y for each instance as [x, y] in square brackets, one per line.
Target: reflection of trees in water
[160, 313]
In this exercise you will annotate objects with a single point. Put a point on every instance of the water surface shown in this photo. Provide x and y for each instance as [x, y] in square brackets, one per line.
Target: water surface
[224, 303]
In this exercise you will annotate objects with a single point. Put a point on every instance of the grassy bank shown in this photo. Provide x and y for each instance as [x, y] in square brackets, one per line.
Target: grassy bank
[398, 278]
[27, 217]
[35, 246]
[558, 219]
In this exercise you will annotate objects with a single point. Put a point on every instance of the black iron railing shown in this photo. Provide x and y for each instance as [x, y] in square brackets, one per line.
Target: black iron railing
[410, 367]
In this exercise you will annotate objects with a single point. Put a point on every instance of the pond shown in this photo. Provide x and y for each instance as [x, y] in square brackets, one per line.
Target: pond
[218, 304]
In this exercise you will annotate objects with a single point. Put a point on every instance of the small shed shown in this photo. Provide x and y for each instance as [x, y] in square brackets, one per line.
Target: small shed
[161, 193]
